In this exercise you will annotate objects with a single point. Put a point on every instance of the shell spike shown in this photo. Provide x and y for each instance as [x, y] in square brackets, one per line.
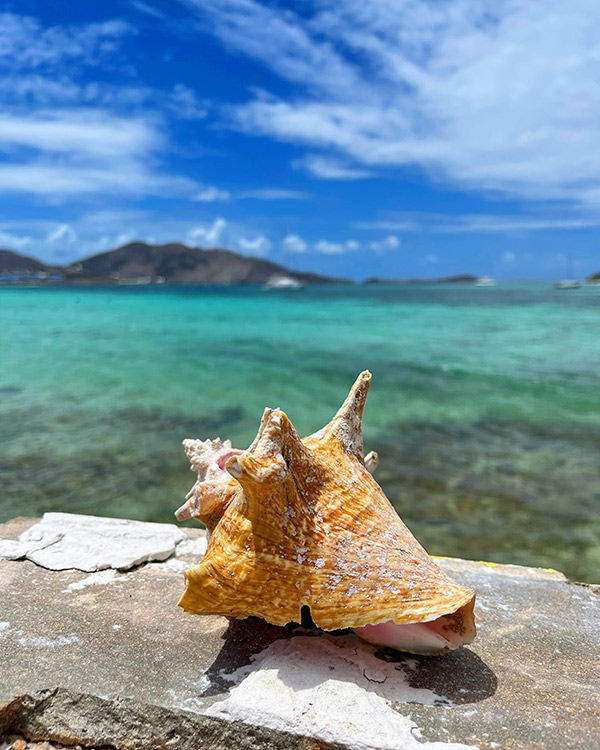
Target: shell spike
[183, 512]
[264, 459]
[346, 426]
[263, 422]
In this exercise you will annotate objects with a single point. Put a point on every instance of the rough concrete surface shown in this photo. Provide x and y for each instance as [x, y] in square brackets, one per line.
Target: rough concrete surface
[108, 660]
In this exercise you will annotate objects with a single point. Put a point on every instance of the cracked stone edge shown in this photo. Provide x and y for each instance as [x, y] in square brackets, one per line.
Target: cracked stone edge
[71, 718]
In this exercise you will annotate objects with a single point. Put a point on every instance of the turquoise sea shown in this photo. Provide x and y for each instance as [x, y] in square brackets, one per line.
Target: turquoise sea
[484, 406]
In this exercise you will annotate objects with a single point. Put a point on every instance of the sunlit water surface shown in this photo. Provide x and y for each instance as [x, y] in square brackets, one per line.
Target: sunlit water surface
[484, 407]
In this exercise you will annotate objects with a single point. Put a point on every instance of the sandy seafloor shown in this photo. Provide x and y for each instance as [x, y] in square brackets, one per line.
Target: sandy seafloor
[484, 406]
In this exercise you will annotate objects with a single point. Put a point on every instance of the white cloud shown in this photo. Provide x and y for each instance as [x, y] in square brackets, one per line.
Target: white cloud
[382, 246]
[56, 89]
[124, 238]
[330, 169]
[40, 89]
[59, 153]
[395, 225]
[481, 223]
[508, 256]
[274, 194]
[335, 248]
[27, 44]
[55, 183]
[62, 234]
[292, 243]
[431, 258]
[258, 246]
[93, 133]
[109, 242]
[499, 224]
[66, 134]
[494, 94]
[278, 39]
[212, 194]
[149, 10]
[210, 236]
[11, 241]
[184, 102]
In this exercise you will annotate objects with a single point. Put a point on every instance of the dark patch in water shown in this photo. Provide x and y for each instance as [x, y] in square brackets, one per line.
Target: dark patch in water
[507, 491]
[133, 464]
[504, 490]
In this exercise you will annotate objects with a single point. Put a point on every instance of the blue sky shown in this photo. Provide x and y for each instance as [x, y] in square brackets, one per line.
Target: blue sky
[393, 137]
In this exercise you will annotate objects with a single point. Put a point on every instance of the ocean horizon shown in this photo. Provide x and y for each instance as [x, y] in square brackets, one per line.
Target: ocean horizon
[484, 405]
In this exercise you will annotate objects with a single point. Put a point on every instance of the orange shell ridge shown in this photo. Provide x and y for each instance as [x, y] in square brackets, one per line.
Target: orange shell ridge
[311, 527]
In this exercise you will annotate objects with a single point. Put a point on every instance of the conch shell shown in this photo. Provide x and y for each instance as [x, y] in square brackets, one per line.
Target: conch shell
[302, 523]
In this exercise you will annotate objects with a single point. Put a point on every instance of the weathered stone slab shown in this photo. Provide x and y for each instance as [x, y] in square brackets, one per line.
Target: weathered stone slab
[530, 680]
[66, 540]
[71, 719]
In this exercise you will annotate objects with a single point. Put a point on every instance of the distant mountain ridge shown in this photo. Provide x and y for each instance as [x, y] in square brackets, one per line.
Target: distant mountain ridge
[171, 263]
[461, 278]
[177, 263]
[11, 261]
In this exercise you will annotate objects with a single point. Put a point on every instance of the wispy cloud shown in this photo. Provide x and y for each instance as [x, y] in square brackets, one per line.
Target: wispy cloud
[274, 194]
[62, 152]
[212, 194]
[489, 95]
[12, 241]
[326, 168]
[391, 242]
[335, 248]
[148, 9]
[65, 134]
[259, 246]
[292, 243]
[62, 234]
[57, 182]
[28, 44]
[91, 132]
[479, 223]
[184, 102]
[208, 235]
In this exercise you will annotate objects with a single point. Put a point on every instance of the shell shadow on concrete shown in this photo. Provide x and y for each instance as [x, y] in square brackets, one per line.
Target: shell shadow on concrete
[456, 678]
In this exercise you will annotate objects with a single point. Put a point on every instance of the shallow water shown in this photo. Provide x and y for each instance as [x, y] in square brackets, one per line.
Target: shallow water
[484, 407]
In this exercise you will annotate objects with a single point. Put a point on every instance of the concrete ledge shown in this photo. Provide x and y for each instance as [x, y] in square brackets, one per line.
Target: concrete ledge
[70, 718]
[108, 660]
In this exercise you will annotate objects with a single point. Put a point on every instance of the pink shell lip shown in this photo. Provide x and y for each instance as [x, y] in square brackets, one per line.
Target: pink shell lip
[225, 456]
[433, 637]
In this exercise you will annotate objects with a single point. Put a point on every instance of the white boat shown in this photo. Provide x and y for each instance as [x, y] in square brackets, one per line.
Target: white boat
[282, 282]
[567, 284]
[485, 281]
